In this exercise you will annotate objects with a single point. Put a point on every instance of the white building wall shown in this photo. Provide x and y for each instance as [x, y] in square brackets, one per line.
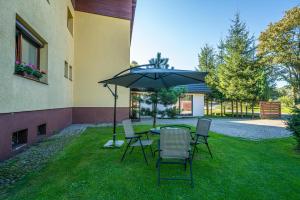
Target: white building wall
[198, 105]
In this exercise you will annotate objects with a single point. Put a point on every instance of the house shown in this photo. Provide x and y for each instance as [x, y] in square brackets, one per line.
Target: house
[53, 53]
[191, 104]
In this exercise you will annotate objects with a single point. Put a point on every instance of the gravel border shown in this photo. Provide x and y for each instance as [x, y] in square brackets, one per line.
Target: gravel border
[35, 156]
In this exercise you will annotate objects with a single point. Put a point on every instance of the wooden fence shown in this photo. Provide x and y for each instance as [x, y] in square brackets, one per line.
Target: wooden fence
[270, 110]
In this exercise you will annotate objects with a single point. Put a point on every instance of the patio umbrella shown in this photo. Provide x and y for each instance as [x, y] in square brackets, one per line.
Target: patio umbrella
[150, 78]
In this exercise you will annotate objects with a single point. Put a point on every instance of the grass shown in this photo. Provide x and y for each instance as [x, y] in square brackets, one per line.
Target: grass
[241, 169]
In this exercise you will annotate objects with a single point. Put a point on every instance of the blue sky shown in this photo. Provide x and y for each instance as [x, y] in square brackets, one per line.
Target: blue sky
[179, 28]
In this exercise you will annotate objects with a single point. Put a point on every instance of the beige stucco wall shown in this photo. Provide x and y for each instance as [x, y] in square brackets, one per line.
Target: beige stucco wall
[102, 47]
[50, 22]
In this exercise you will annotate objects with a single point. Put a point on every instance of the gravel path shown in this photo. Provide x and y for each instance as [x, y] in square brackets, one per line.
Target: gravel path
[244, 128]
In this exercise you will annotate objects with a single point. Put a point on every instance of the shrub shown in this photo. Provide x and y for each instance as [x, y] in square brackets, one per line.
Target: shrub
[293, 124]
[287, 101]
[171, 112]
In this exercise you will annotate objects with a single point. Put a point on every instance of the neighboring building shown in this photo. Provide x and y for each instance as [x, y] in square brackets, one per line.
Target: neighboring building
[76, 43]
[192, 104]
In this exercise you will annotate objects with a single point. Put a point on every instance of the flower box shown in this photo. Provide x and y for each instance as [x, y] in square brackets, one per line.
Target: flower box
[29, 70]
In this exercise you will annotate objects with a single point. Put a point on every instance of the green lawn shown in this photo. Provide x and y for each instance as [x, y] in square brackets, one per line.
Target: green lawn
[240, 169]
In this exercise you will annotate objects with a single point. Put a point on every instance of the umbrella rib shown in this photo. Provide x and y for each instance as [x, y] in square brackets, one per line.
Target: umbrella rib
[133, 82]
[164, 82]
[110, 79]
[189, 77]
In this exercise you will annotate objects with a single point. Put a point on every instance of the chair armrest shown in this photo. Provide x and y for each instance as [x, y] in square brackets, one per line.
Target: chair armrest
[142, 132]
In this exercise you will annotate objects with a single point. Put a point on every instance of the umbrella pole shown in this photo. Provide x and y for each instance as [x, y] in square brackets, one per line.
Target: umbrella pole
[114, 143]
[115, 114]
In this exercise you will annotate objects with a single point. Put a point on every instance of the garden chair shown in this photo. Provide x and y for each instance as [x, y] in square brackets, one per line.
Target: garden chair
[133, 139]
[201, 135]
[174, 148]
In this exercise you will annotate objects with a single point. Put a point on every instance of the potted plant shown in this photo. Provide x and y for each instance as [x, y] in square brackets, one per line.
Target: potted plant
[19, 68]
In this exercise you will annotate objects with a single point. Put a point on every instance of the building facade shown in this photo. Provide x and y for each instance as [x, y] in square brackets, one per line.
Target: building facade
[53, 53]
[190, 105]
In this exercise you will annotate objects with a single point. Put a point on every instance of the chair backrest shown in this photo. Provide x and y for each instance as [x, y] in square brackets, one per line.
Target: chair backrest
[174, 143]
[128, 128]
[203, 126]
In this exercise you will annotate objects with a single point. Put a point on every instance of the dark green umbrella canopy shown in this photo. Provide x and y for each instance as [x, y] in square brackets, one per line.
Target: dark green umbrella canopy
[155, 78]
[150, 78]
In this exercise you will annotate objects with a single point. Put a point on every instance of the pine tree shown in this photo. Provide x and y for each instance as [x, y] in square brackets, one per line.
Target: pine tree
[239, 75]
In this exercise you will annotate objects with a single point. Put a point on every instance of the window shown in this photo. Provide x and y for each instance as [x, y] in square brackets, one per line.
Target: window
[31, 53]
[66, 69]
[27, 46]
[19, 139]
[185, 105]
[70, 73]
[70, 21]
[42, 129]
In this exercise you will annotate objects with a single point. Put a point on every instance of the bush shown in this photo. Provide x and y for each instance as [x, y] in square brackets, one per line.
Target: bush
[162, 113]
[293, 124]
[145, 112]
[287, 101]
[172, 112]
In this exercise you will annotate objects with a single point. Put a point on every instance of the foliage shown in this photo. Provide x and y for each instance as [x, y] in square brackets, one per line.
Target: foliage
[287, 101]
[164, 96]
[21, 68]
[159, 62]
[145, 112]
[170, 96]
[208, 63]
[240, 76]
[293, 124]
[133, 64]
[279, 47]
[172, 112]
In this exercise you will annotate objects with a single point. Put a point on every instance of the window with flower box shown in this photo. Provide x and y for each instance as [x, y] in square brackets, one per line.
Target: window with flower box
[28, 53]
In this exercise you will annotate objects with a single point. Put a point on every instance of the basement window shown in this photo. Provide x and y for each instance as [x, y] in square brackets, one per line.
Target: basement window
[70, 73]
[66, 74]
[19, 139]
[42, 129]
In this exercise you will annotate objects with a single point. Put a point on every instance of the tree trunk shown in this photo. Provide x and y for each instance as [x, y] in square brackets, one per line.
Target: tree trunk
[232, 114]
[154, 112]
[224, 109]
[252, 109]
[207, 105]
[221, 108]
[295, 95]
[211, 105]
[246, 109]
[241, 106]
[237, 108]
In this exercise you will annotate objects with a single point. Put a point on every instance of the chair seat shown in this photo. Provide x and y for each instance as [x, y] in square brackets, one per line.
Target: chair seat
[144, 142]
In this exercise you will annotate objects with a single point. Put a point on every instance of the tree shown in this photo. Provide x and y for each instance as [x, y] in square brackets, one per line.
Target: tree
[207, 63]
[166, 97]
[153, 97]
[134, 63]
[239, 75]
[159, 62]
[279, 47]
[293, 124]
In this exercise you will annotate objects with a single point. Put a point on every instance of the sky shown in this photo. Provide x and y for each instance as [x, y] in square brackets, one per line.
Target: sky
[179, 28]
